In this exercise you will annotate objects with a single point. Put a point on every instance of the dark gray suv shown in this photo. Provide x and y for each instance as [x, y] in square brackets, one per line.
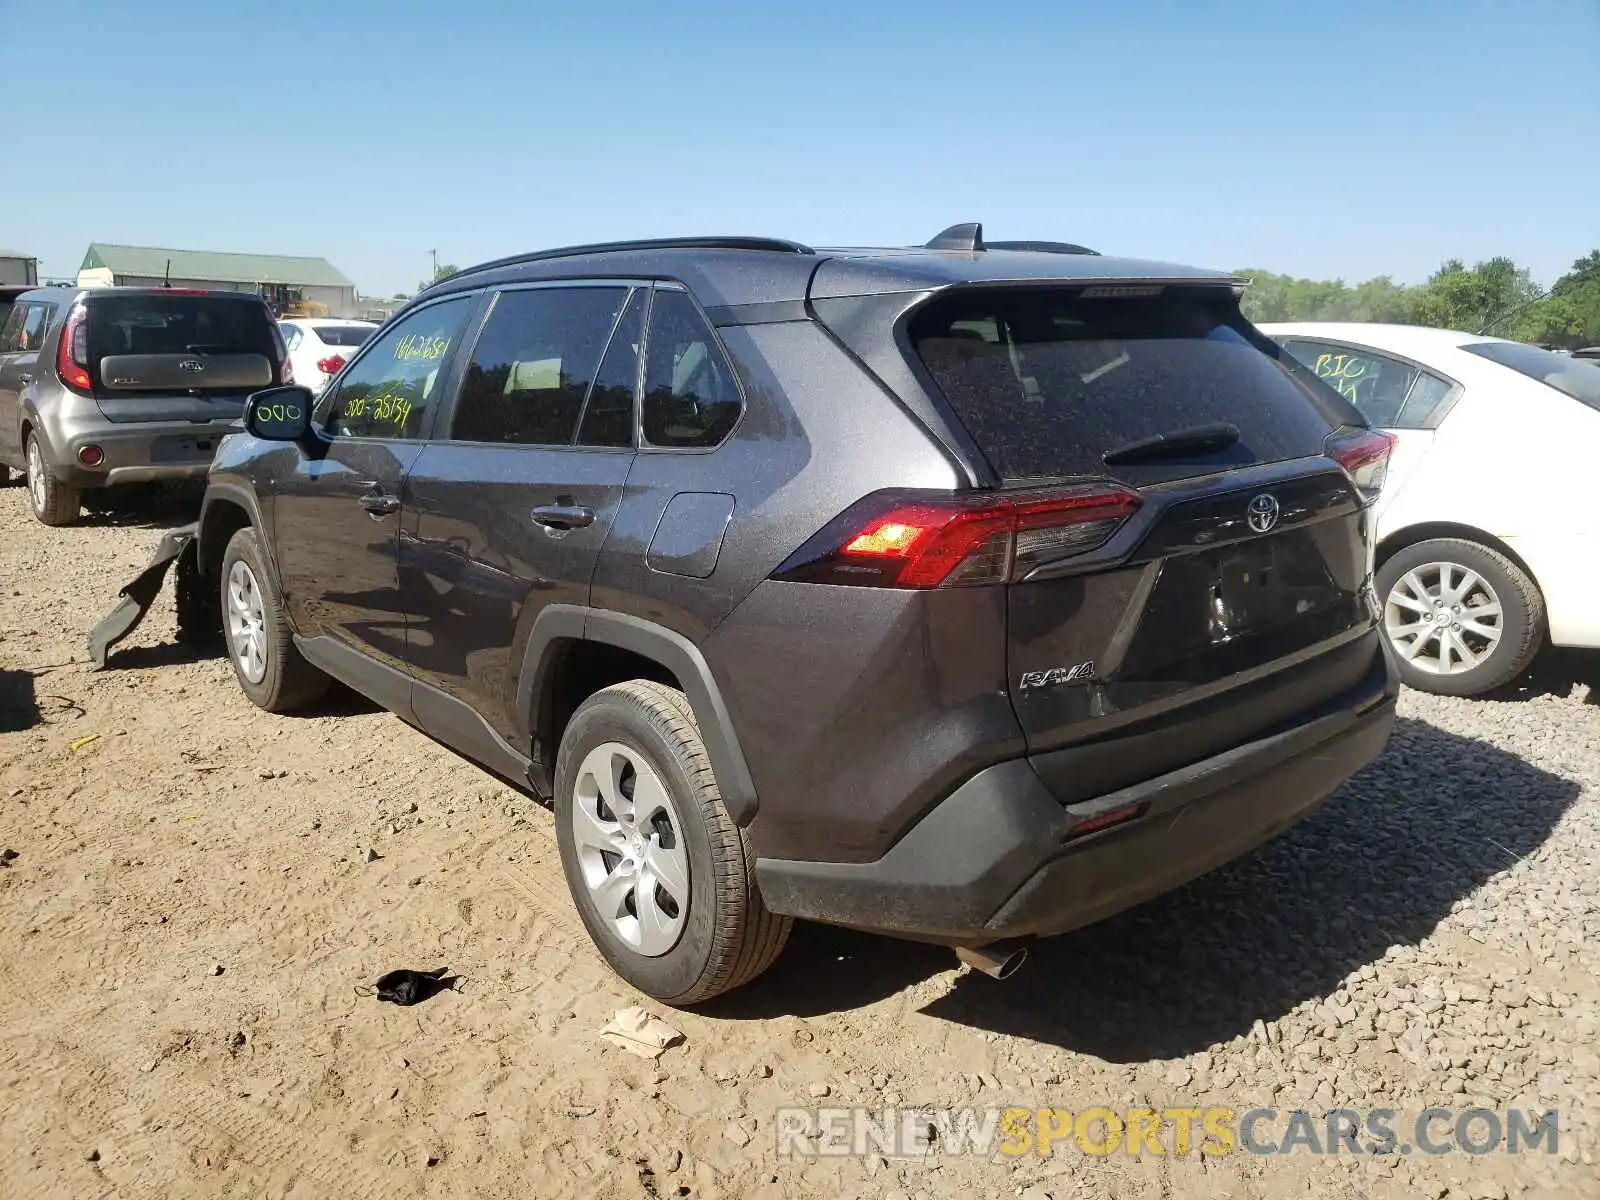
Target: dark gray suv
[105, 386]
[963, 593]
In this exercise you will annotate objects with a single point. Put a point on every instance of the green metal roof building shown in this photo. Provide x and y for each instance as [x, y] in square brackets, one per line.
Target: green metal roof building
[283, 279]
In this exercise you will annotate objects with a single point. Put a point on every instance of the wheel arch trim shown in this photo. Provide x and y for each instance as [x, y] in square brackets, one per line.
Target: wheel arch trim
[561, 624]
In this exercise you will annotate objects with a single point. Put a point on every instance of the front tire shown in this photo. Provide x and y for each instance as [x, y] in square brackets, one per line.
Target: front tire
[53, 502]
[1461, 618]
[662, 877]
[270, 670]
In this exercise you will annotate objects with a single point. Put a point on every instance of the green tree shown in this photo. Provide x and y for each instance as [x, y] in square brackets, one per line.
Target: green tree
[439, 273]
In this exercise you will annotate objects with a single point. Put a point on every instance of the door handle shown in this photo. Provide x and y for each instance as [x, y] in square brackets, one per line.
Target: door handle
[26, 377]
[380, 505]
[563, 516]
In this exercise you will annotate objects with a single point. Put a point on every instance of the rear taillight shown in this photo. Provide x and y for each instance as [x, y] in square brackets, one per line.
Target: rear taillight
[72, 352]
[1364, 455]
[331, 365]
[901, 540]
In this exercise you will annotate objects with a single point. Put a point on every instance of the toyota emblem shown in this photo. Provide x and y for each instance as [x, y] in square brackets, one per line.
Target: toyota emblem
[1262, 512]
[192, 365]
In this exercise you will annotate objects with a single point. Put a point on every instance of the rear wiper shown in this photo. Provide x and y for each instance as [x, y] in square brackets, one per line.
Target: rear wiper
[1197, 439]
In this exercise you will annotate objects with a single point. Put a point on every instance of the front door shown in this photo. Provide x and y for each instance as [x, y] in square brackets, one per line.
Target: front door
[337, 505]
[508, 506]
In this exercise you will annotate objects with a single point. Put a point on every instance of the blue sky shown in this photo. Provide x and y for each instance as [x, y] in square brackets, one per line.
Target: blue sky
[1346, 140]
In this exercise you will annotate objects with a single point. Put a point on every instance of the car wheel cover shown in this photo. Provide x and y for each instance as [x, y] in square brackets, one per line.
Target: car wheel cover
[247, 622]
[36, 486]
[630, 848]
[1443, 618]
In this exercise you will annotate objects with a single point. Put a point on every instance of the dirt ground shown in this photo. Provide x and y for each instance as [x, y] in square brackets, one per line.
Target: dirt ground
[193, 904]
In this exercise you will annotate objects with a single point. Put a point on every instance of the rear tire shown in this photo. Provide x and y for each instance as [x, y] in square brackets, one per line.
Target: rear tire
[270, 670]
[53, 502]
[5, 475]
[680, 933]
[1461, 618]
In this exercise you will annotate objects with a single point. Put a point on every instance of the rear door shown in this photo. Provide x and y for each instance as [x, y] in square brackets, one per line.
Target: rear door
[509, 505]
[176, 355]
[336, 501]
[22, 334]
[1245, 557]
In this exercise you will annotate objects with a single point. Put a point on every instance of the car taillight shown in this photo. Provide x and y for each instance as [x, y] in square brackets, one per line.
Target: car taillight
[72, 352]
[903, 540]
[331, 365]
[1364, 455]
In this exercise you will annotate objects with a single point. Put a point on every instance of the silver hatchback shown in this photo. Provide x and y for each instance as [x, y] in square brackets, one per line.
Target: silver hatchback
[103, 386]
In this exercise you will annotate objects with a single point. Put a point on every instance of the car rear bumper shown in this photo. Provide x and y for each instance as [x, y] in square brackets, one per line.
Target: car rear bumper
[992, 861]
[137, 453]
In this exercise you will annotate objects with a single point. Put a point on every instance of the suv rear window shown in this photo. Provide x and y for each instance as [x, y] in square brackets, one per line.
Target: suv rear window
[344, 335]
[1049, 381]
[1574, 376]
[156, 324]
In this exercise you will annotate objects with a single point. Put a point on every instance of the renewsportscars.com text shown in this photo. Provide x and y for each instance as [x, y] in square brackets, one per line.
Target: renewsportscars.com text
[1017, 1132]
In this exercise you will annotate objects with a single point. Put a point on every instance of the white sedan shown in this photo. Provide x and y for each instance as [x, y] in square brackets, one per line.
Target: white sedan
[320, 346]
[1488, 533]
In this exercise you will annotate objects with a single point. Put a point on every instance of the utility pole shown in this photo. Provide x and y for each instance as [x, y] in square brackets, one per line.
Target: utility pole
[435, 256]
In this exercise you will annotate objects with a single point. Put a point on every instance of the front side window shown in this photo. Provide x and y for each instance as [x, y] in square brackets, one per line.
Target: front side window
[533, 366]
[388, 391]
[1376, 384]
[691, 400]
[1574, 376]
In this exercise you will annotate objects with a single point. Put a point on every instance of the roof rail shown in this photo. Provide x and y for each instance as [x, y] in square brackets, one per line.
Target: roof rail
[1043, 247]
[771, 245]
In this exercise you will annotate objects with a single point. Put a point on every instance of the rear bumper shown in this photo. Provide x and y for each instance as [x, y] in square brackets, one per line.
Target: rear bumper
[137, 453]
[990, 860]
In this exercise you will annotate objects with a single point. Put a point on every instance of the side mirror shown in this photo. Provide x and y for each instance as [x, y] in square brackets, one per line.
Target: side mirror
[280, 414]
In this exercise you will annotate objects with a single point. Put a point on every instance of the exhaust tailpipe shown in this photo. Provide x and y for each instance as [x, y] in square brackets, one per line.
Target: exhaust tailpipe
[998, 960]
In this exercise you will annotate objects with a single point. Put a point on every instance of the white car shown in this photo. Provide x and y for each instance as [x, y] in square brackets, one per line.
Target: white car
[1488, 533]
[320, 346]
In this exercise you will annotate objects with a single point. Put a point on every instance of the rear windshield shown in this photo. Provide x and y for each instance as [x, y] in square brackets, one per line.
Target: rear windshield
[1047, 382]
[344, 335]
[1574, 376]
[155, 324]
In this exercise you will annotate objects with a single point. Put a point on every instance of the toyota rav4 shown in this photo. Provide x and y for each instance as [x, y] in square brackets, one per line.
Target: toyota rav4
[963, 593]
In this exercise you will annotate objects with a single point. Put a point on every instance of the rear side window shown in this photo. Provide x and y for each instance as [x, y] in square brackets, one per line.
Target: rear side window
[35, 323]
[690, 398]
[608, 416]
[1391, 394]
[24, 327]
[178, 324]
[1047, 382]
[1574, 376]
[533, 365]
[344, 335]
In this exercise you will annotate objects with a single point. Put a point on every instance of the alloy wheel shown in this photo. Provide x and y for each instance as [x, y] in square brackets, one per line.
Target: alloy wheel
[1443, 618]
